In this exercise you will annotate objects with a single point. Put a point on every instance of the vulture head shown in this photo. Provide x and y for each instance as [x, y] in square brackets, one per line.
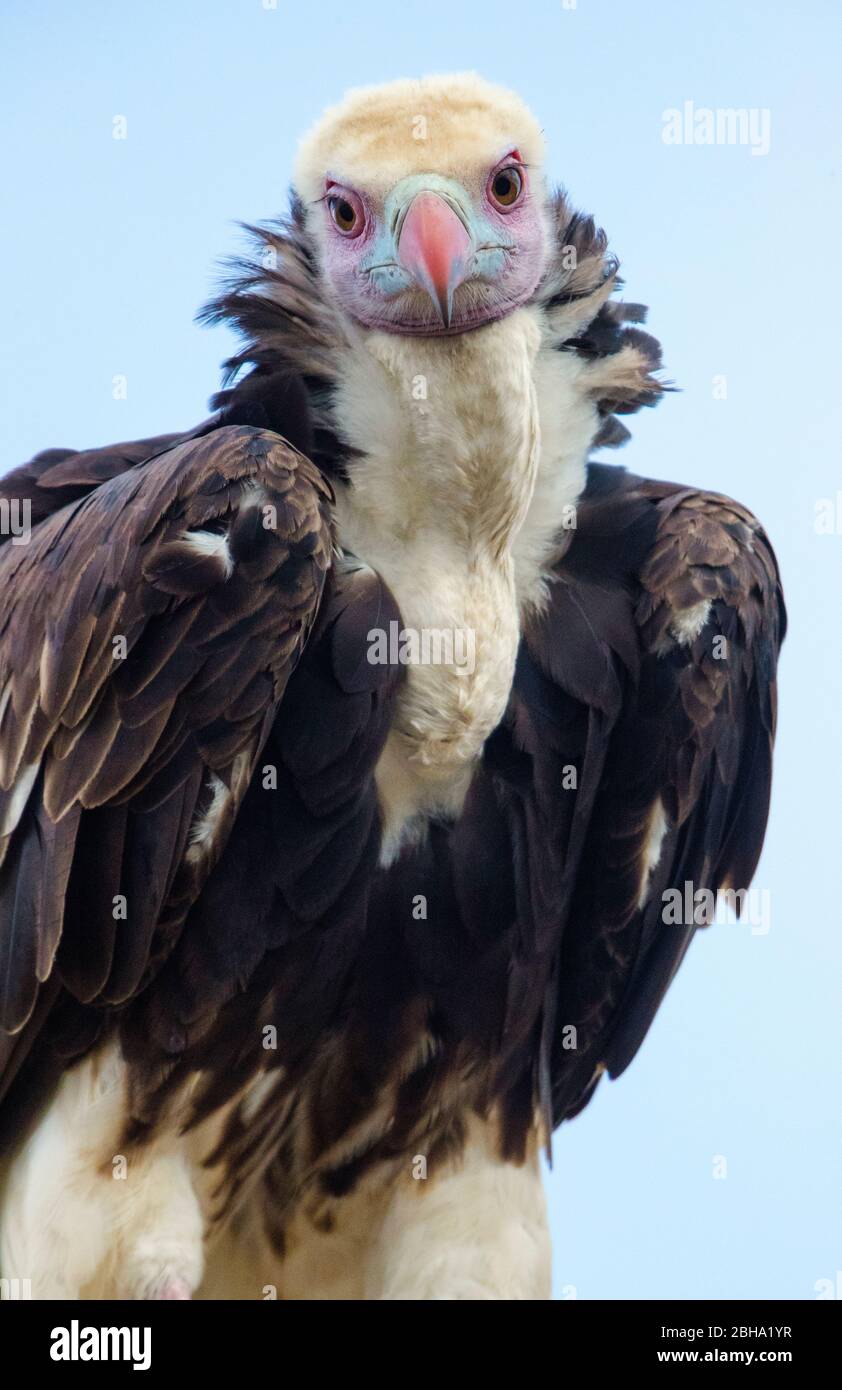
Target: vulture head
[427, 203]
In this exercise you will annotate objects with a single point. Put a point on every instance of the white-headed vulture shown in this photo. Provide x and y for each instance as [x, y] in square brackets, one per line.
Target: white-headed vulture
[352, 743]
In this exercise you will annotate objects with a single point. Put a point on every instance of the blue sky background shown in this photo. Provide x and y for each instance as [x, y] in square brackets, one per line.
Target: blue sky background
[107, 249]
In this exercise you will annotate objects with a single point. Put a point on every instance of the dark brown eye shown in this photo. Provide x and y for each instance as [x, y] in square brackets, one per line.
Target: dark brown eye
[506, 186]
[347, 212]
[343, 214]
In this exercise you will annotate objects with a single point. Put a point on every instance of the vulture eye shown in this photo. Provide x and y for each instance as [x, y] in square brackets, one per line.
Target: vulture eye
[505, 186]
[347, 212]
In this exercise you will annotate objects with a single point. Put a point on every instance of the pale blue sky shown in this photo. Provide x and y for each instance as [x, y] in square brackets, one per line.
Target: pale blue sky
[108, 248]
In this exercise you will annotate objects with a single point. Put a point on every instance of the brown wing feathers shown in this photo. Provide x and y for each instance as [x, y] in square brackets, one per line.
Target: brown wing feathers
[694, 736]
[149, 634]
[300, 864]
[621, 707]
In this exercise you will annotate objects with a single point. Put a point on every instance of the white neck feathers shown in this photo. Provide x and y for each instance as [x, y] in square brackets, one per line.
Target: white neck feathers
[456, 499]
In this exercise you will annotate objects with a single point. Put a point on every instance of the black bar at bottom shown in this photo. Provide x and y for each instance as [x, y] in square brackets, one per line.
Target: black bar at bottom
[259, 1339]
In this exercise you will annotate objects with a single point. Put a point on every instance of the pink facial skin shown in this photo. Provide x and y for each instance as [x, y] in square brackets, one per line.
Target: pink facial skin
[436, 256]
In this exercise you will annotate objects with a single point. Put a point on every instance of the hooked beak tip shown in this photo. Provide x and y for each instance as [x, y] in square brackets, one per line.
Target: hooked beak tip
[443, 300]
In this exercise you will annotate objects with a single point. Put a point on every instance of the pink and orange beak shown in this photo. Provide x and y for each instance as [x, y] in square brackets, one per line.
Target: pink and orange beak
[434, 247]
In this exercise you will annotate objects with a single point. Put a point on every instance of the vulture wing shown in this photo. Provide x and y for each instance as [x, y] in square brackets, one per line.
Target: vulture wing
[637, 761]
[149, 629]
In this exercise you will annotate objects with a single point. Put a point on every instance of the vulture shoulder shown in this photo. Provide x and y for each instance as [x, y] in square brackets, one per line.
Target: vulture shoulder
[149, 629]
[636, 761]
